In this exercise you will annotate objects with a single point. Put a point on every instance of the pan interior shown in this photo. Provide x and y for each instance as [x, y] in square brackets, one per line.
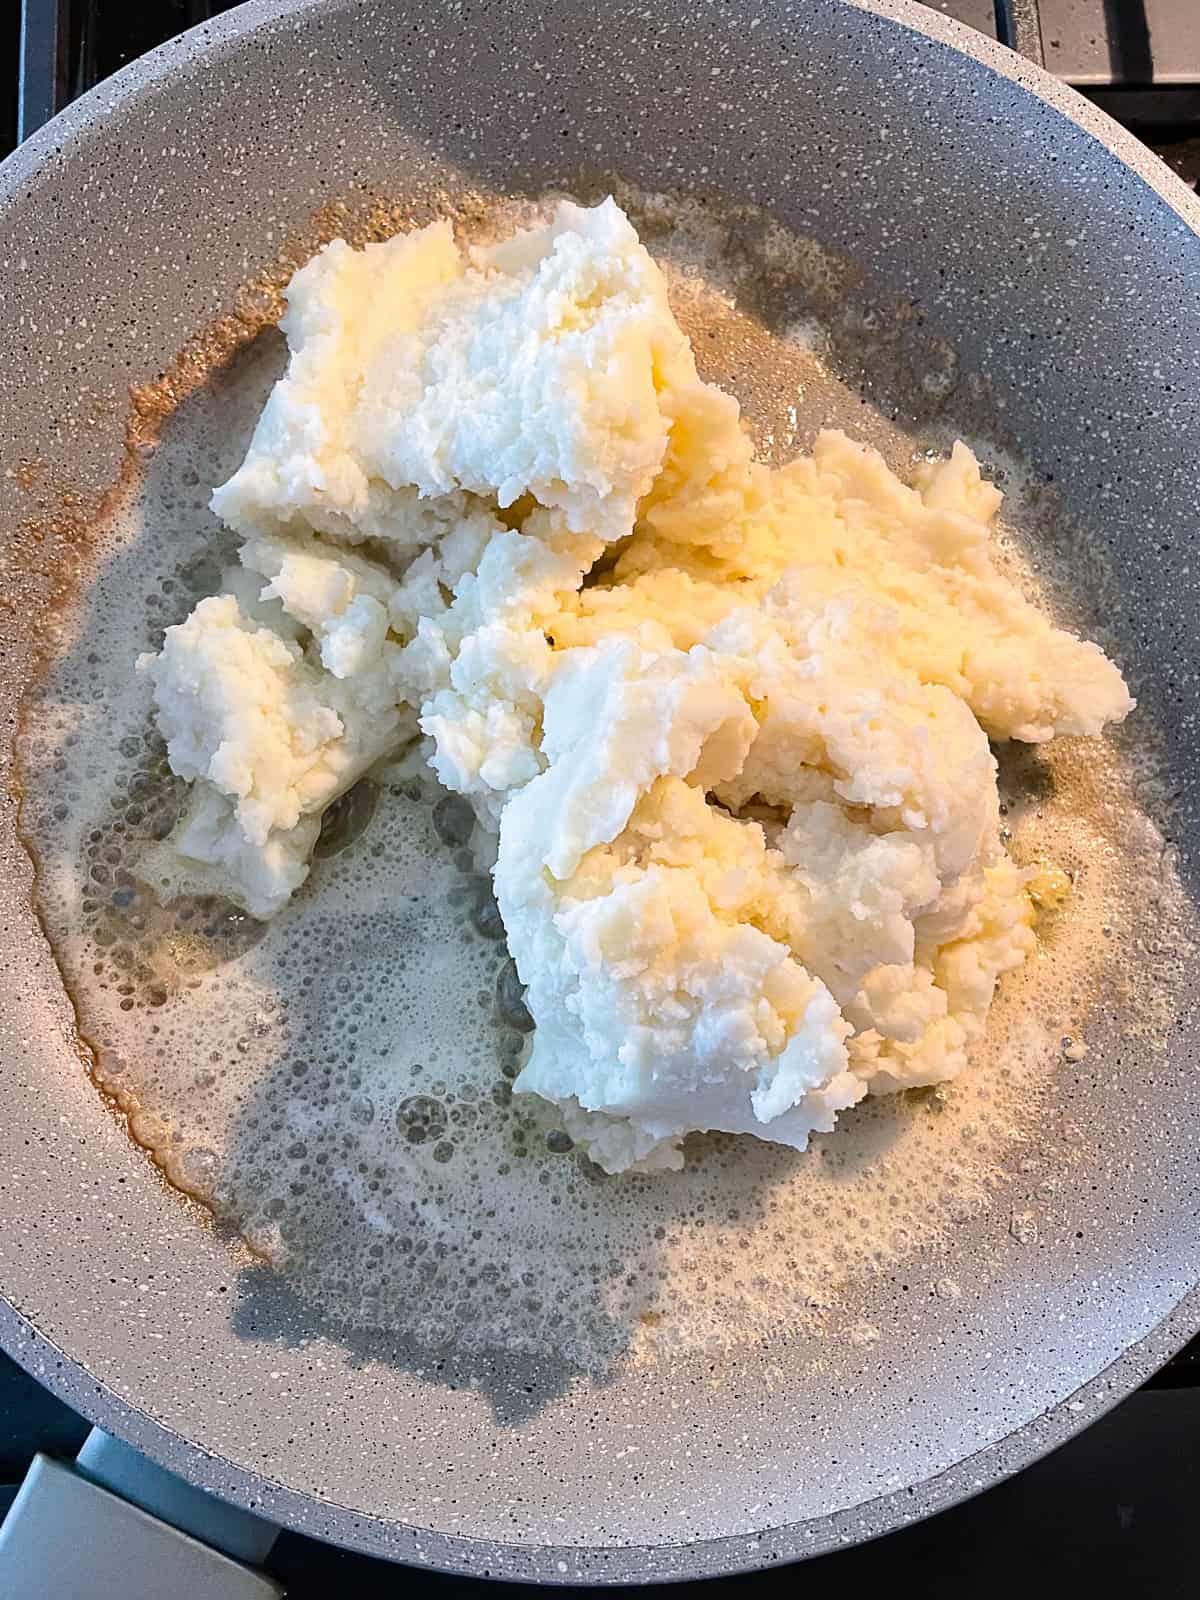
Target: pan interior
[335, 1085]
[744, 1345]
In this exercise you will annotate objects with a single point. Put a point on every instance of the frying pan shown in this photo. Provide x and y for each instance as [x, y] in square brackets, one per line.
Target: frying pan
[1059, 261]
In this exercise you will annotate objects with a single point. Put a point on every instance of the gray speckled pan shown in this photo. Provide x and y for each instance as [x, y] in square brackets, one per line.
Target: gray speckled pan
[1055, 254]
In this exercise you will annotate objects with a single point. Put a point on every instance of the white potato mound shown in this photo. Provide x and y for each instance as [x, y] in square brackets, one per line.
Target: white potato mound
[748, 855]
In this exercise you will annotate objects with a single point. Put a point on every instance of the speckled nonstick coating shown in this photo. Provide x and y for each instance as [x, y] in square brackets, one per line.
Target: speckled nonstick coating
[1059, 256]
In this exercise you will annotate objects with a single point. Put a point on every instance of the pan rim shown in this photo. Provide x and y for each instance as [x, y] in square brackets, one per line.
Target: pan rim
[67, 1378]
[617, 1565]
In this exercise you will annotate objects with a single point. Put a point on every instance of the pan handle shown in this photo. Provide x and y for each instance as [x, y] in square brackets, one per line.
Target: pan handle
[118, 1527]
[1019, 26]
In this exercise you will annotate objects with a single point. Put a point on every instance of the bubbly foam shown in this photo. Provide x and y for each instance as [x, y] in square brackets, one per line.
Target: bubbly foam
[336, 1085]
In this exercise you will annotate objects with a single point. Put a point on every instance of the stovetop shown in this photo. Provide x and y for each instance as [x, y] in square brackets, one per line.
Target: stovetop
[1114, 1506]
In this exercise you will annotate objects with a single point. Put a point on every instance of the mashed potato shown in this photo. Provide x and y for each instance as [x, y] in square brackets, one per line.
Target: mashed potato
[747, 850]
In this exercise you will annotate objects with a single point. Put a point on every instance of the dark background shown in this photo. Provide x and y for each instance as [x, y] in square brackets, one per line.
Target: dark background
[1115, 1507]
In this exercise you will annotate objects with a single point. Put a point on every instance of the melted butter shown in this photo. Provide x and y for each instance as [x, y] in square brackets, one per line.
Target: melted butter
[335, 1086]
